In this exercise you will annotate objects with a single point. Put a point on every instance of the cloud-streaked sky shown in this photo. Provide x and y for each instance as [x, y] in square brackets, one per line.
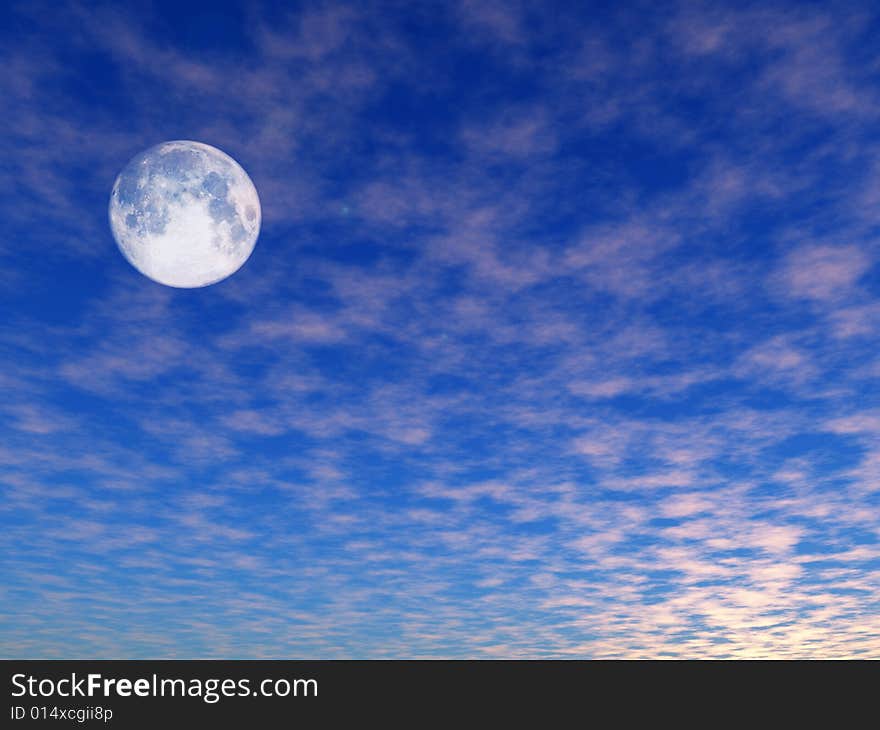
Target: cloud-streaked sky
[560, 339]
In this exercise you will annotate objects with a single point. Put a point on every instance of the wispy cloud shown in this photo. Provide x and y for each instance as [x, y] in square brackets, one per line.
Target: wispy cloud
[559, 339]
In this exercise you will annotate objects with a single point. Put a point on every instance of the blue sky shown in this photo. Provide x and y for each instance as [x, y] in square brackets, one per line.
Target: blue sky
[559, 339]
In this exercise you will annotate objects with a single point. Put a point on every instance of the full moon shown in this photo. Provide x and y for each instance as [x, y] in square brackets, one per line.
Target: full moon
[185, 214]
